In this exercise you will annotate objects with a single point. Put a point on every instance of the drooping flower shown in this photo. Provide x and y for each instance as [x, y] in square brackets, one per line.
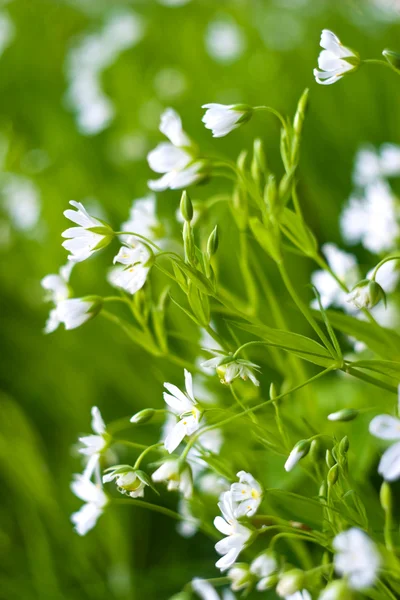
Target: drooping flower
[247, 493]
[335, 60]
[73, 312]
[387, 427]
[95, 501]
[186, 407]
[177, 476]
[222, 118]
[176, 159]
[136, 262]
[129, 481]
[142, 220]
[94, 445]
[366, 294]
[237, 534]
[264, 567]
[291, 583]
[57, 290]
[300, 450]
[356, 558]
[91, 234]
[229, 369]
[240, 576]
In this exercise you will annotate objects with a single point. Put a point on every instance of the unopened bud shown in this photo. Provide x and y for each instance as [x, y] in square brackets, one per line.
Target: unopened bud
[346, 414]
[333, 475]
[273, 392]
[315, 451]
[344, 445]
[386, 497]
[271, 194]
[213, 241]
[330, 461]
[300, 112]
[186, 206]
[323, 490]
[366, 294]
[241, 160]
[143, 416]
[393, 58]
[290, 583]
[259, 164]
[336, 590]
[285, 149]
[300, 450]
[285, 187]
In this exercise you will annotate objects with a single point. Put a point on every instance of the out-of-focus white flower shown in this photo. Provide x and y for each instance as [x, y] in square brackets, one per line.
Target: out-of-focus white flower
[212, 484]
[264, 567]
[94, 445]
[345, 266]
[335, 60]
[301, 595]
[91, 235]
[290, 585]
[95, 501]
[142, 220]
[129, 481]
[57, 288]
[336, 590]
[366, 294]
[237, 534]
[222, 118]
[387, 427]
[176, 158]
[205, 591]
[170, 83]
[21, 200]
[184, 405]
[132, 276]
[228, 370]
[73, 312]
[247, 494]
[356, 558]
[300, 450]
[176, 476]
[372, 219]
[240, 576]
[371, 166]
[189, 525]
[224, 41]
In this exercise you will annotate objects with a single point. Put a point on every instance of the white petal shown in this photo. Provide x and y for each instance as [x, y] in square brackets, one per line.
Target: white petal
[389, 466]
[173, 440]
[385, 427]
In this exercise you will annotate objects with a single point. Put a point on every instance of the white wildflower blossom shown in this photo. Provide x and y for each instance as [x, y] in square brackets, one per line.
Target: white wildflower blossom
[237, 534]
[222, 118]
[247, 494]
[387, 427]
[175, 159]
[206, 591]
[57, 290]
[136, 262]
[176, 476]
[335, 60]
[95, 501]
[300, 450]
[356, 558]
[186, 407]
[142, 220]
[240, 576]
[129, 481]
[73, 312]
[264, 567]
[228, 370]
[371, 166]
[82, 241]
[94, 445]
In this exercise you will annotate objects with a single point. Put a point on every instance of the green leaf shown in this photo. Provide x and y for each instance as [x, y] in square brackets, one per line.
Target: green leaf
[328, 325]
[267, 237]
[294, 343]
[390, 368]
[298, 232]
[382, 341]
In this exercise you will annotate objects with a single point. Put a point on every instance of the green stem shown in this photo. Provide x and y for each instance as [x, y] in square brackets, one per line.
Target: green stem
[272, 111]
[242, 406]
[146, 451]
[382, 262]
[131, 444]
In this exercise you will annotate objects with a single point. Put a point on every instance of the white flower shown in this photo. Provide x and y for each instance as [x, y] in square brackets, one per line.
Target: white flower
[229, 370]
[132, 276]
[85, 519]
[344, 265]
[335, 60]
[189, 525]
[176, 158]
[237, 534]
[371, 166]
[366, 294]
[142, 219]
[386, 427]
[222, 119]
[127, 480]
[240, 577]
[57, 288]
[356, 558]
[264, 566]
[185, 406]
[299, 451]
[372, 218]
[301, 595]
[94, 445]
[73, 312]
[82, 242]
[177, 476]
[205, 590]
[247, 494]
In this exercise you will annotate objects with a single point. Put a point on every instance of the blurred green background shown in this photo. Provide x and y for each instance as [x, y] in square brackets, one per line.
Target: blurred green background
[83, 83]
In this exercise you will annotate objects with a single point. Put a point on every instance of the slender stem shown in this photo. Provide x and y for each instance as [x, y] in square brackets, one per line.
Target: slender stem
[382, 262]
[131, 444]
[272, 111]
[146, 451]
[372, 380]
[242, 406]
[138, 235]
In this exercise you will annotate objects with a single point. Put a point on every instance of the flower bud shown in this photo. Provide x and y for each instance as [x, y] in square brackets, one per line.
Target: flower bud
[143, 416]
[315, 451]
[241, 160]
[240, 576]
[285, 187]
[346, 414]
[366, 294]
[333, 475]
[300, 450]
[336, 590]
[273, 392]
[393, 58]
[300, 112]
[385, 497]
[323, 490]
[213, 241]
[271, 194]
[259, 163]
[330, 461]
[344, 445]
[290, 583]
[186, 206]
